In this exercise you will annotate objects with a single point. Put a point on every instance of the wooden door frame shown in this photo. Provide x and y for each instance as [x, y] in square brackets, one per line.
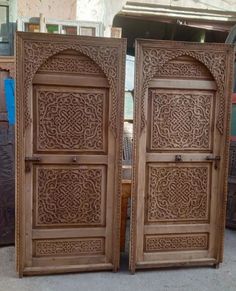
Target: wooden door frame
[147, 65]
[32, 50]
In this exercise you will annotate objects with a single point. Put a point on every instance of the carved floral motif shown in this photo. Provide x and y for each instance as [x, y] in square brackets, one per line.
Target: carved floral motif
[177, 194]
[69, 247]
[70, 120]
[184, 70]
[181, 120]
[70, 64]
[69, 196]
[175, 242]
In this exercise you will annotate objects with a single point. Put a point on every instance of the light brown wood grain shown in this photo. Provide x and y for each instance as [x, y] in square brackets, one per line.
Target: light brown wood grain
[182, 109]
[69, 153]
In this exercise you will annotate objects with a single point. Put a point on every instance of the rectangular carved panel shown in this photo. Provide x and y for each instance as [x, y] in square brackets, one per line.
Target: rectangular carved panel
[176, 242]
[69, 247]
[180, 119]
[177, 193]
[69, 196]
[70, 119]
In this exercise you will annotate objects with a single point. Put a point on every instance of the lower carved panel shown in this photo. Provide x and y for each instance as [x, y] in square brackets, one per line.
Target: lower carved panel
[176, 242]
[66, 196]
[177, 194]
[69, 247]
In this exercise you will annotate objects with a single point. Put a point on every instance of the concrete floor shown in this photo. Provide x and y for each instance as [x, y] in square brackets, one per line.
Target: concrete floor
[194, 279]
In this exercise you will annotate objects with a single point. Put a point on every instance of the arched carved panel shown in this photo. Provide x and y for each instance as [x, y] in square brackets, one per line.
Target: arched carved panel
[37, 53]
[68, 62]
[156, 59]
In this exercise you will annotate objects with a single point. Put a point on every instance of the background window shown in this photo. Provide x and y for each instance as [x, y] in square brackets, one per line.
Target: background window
[128, 114]
[4, 23]
[31, 27]
[85, 30]
[72, 30]
[52, 28]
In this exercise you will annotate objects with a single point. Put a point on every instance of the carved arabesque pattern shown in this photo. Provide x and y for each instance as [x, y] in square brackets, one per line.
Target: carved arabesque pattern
[36, 53]
[68, 64]
[177, 194]
[183, 242]
[69, 196]
[154, 59]
[184, 70]
[180, 120]
[70, 120]
[69, 247]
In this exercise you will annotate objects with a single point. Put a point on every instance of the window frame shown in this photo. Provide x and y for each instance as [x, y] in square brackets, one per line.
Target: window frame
[6, 5]
[99, 31]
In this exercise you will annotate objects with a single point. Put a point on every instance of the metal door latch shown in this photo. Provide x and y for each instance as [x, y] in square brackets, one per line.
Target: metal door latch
[215, 159]
[178, 158]
[74, 160]
[29, 161]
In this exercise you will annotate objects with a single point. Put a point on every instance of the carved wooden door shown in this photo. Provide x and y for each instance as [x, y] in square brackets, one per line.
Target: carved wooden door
[182, 109]
[69, 149]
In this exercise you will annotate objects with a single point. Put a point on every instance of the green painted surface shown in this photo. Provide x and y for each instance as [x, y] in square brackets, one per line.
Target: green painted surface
[233, 121]
[52, 28]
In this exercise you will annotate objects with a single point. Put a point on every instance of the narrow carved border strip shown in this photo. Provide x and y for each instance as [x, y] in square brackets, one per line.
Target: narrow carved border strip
[231, 57]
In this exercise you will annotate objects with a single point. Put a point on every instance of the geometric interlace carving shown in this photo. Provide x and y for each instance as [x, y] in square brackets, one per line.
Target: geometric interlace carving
[69, 196]
[70, 120]
[177, 193]
[181, 120]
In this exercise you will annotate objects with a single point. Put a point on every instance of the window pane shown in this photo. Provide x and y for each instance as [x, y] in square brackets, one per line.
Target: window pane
[31, 27]
[91, 31]
[72, 30]
[128, 105]
[52, 28]
[4, 23]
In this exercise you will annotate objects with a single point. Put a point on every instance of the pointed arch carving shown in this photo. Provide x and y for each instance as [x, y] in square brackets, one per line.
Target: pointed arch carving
[107, 58]
[156, 58]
